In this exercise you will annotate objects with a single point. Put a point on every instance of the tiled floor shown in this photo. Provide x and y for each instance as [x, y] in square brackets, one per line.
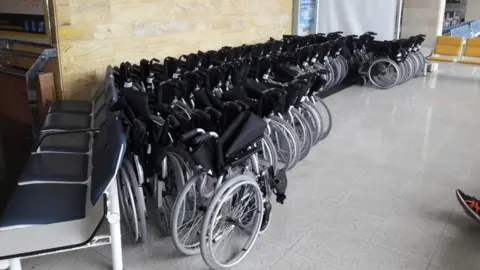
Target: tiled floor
[377, 194]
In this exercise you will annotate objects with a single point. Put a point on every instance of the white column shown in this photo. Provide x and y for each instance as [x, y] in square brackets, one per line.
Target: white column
[4, 264]
[15, 264]
[423, 17]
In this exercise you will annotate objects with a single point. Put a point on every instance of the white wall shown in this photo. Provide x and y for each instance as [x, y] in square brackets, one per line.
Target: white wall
[358, 16]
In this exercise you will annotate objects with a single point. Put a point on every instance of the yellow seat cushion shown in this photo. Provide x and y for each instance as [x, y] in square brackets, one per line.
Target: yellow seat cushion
[452, 46]
[449, 40]
[448, 50]
[441, 59]
[470, 61]
[472, 48]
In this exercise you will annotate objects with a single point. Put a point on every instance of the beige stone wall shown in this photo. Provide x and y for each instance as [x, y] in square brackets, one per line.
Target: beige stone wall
[95, 33]
[423, 17]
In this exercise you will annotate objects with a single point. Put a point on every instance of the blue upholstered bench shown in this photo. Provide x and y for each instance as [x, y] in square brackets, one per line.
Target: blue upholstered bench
[70, 131]
[74, 114]
[82, 106]
[55, 213]
[58, 203]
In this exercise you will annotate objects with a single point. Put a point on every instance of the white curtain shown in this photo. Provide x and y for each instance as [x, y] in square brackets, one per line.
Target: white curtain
[358, 17]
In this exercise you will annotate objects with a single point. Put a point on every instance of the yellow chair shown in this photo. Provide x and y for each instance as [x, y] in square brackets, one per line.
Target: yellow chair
[471, 53]
[447, 49]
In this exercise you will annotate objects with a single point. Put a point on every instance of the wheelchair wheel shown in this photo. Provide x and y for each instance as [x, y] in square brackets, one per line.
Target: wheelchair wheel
[232, 223]
[284, 147]
[139, 198]
[337, 68]
[187, 169]
[188, 213]
[182, 109]
[411, 68]
[403, 72]
[128, 207]
[268, 156]
[313, 120]
[303, 131]
[167, 191]
[421, 57]
[330, 76]
[416, 63]
[325, 115]
[291, 137]
[345, 67]
[384, 73]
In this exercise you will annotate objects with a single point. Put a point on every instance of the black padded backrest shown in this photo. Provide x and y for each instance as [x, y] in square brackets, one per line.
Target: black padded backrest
[108, 150]
[108, 95]
[101, 116]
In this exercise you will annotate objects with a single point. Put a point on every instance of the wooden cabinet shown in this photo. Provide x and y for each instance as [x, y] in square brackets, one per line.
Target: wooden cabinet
[14, 102]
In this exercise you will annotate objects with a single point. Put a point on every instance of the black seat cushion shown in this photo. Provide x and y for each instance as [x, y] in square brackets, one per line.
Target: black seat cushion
[44, 204]
[70, 143]
[55, 167]
[71, 106]
[59, 121]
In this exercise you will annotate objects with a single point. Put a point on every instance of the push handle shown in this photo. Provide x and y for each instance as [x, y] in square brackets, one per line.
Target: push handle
[192, 133]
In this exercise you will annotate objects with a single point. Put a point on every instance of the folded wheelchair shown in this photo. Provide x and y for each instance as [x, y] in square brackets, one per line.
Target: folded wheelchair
[210, 136]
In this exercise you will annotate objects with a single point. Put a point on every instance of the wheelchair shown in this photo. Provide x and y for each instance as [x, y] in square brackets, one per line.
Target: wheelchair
[210, 136]
[388, 63]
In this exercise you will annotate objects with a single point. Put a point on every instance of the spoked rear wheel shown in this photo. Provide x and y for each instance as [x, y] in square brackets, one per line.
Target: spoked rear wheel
[292, 139]
[421, 57]
[298, 122]
[187, 215]
[139, 198]
[313, 120]
[384, 73]
[325, 115]
[268, 156]
[127, 204]
[232, 223]
[167, 193]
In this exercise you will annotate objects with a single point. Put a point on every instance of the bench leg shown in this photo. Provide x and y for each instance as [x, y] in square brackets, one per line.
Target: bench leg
[114, 220]
[15, 264]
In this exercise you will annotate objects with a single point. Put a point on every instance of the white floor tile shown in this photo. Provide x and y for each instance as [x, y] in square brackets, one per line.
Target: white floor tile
[330, 248]
[293, 260]
[378, 258]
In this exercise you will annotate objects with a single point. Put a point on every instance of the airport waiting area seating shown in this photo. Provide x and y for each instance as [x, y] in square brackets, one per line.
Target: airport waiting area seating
[456, 50]
[471, 53]
[447, 49]
[68, 186]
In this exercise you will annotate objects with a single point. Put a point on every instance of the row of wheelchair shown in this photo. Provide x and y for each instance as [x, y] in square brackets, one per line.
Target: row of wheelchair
[199, 145]
[386, 64]
[362, 59]
[210, 138]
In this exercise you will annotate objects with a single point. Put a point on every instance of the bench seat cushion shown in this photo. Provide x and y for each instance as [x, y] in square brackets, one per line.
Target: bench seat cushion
[44, 204]
[60, 121]
[71, 106]
[55, 168]
[70, 143]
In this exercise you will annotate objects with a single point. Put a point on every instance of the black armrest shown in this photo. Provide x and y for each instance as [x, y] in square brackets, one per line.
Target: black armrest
[63, 132]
